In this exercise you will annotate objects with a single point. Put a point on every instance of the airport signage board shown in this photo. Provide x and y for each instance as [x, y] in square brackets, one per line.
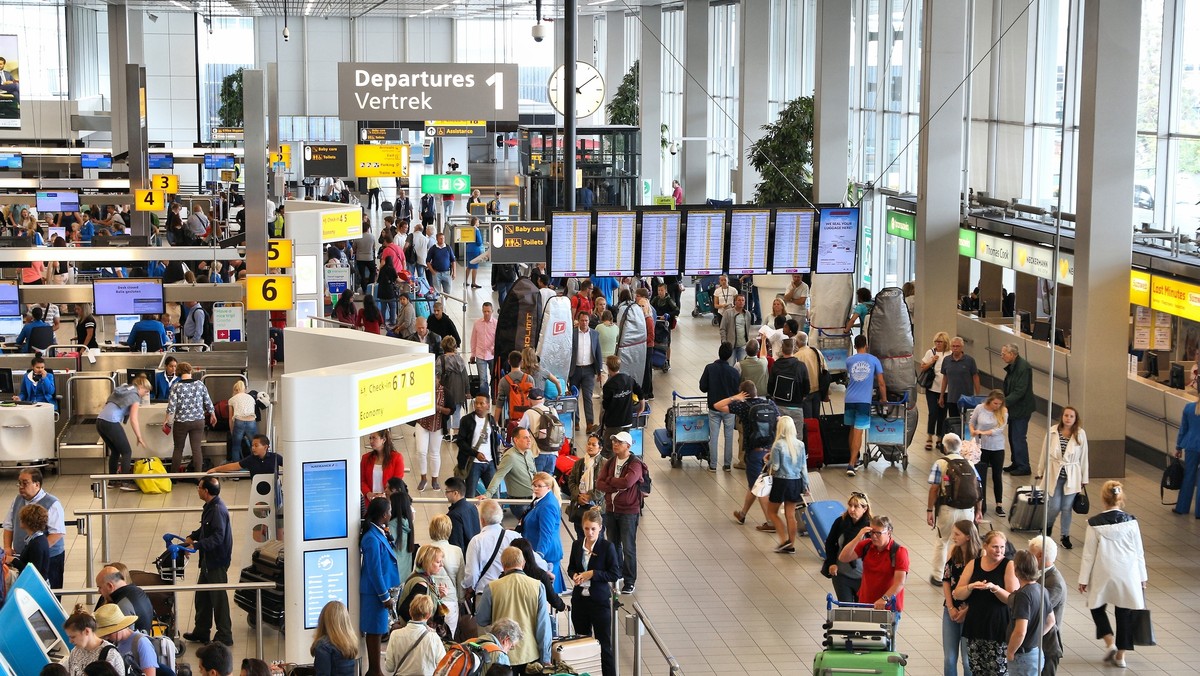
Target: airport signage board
[1139, 288]
[1033, 260]
[1066, 268]
[1175, 298]
[902, 224]
[416, 92]
[381, 161]
[326, 160]
[446, 184]
[395, 396]
[379, 135]
[995, 250]
[966, 242]
[518, 241]
[228, 133]
[456, 128]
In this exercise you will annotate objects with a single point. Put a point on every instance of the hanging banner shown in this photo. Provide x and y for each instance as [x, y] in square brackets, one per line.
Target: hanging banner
[10, 88]
[228, 324]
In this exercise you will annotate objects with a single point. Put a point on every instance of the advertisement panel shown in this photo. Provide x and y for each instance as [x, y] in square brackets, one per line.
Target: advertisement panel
[966, 242]
[1175, 298]
[1139, 288]
[10, 87]
[902, 224]
[837, 240]
[1033, 260]
[996, 250]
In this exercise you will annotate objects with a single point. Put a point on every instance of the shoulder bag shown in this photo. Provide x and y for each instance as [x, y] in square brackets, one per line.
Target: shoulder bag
[1081, 505]
[762, 485]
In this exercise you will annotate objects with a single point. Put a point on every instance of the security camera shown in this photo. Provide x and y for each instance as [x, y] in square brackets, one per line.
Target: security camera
[286, 34]
[539, 32]
[674, 148]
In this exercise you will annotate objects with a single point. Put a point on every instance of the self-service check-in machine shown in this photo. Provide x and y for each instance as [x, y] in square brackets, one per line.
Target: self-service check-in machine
[5, 669]
[29, 641]
[38, 589]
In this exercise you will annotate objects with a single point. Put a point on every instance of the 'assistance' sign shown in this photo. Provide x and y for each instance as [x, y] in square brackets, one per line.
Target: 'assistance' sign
[416, 92]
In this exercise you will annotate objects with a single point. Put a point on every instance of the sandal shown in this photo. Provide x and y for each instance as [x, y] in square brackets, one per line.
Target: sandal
[740, 517]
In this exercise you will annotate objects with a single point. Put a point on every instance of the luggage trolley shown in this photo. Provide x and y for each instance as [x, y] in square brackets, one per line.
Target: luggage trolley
[834, 346]
[887, 439]
[170, 567]
[966, 404]
[686, 430]
[858, 626]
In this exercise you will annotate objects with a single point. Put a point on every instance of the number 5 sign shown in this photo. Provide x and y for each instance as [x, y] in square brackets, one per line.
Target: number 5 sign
[269, 292]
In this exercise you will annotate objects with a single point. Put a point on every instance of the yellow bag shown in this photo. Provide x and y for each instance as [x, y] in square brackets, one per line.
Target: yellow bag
[151, 466]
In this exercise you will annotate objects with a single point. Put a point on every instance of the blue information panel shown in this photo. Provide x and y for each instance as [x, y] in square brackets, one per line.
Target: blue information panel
[324, 581]
[160, 160]
[96, 160]
[10, 161]
[324, 500]
[10, 303]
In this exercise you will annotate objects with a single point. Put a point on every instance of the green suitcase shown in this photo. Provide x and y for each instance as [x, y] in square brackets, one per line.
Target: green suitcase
[835, 662]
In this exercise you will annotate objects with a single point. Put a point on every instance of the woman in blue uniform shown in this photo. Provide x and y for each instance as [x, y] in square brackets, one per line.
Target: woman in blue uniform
[378, 576]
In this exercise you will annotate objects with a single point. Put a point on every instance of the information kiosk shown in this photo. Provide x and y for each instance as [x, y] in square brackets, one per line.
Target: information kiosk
[39, 590]
[29, 640]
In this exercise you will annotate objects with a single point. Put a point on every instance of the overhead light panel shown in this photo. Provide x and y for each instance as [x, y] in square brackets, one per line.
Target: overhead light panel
[441, 7]
[599, 2]
[182, 6]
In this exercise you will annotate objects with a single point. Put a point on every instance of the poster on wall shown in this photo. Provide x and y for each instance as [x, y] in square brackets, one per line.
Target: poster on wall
[837, 240]
[10, 88]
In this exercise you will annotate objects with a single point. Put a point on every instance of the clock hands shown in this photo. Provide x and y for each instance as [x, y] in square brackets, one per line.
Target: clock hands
[579, 89]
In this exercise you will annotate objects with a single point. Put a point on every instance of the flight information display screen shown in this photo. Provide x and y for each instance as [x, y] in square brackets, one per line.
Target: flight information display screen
[705, 250]
[793, 241]
[616, 233]
[660, 243]
[837, 240]
[749, 232]
[570, 245]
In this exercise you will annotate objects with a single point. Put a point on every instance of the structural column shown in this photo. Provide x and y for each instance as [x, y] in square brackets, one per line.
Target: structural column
[1103, 239]
[254, 104]
[124, 48]
[650, 96]
[939, 171]
[695, 101]
[614, 54]
[831, 101]
[755, 84]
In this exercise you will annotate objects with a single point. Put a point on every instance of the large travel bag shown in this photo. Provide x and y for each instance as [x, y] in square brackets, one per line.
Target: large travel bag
[580, 653]
[1028, 509]
[818, 518]
[835, 437]
[858, 627]
[813, 443]
[835, 662]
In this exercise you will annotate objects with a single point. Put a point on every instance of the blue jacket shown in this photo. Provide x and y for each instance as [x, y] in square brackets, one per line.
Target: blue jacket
[380, 569]
[720, 380]
[148, 326]
[784, 467]
[597, 364]
[541, 527]
[329, 661]
[162, 386]
[42, 391]
[605, 566]
[26, 333]
[1189, 429]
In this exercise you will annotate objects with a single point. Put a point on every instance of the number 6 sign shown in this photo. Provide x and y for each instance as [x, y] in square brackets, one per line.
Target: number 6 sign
[269, 292]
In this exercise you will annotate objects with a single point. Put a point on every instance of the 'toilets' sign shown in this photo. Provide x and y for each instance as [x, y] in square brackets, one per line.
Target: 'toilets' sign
[416, 92]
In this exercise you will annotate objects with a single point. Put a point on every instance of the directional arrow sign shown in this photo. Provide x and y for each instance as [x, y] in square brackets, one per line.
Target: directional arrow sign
[446, 184]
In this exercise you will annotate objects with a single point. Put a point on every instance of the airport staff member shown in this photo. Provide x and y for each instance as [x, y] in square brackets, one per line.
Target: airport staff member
[215, 541]
[38, 383]
[29, 492]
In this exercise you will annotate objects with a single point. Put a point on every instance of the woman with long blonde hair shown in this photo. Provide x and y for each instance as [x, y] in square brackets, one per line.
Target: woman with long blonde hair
[788, 465]
[541, 525]
[987, 426]
[335, 645]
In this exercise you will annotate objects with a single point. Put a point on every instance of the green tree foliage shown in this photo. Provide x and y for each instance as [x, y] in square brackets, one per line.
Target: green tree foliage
[783, 156]
[624, 109]
[230, 111]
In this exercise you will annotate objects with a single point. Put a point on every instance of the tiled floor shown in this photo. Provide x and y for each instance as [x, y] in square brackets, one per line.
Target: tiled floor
[717, 595]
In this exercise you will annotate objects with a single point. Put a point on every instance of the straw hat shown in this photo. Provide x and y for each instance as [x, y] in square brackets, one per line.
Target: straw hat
[110, 620]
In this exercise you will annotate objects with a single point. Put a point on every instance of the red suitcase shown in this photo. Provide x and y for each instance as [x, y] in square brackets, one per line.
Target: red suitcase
[813, 443]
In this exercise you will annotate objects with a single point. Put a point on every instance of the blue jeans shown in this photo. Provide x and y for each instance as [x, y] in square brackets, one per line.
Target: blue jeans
[622, 530]
[1018, 433]
[502, 290]
[1060, 503]
[443, 280]
[1191, 462]
[739, 353]
[754, 464]
[953, 646]
[1026, 664]
[485, 374]
[387, 308]
[717, 420]
[477, 472]
[242, 432]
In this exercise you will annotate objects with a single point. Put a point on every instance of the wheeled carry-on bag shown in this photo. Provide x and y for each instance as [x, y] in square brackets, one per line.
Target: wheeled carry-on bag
[1028, 509]
[858, 627]
[580, 653]
[818, 518]
[841, 662]
[813, 443]
[835, 436]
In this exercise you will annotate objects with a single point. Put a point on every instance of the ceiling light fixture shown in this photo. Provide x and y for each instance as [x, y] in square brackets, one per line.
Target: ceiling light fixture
[182, 6]
[441, 7]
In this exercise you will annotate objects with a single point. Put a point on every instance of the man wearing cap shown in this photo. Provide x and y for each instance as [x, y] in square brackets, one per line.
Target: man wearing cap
[127, 596]
[516, 470]
[116, 627]
[533, 420]
[619, 480]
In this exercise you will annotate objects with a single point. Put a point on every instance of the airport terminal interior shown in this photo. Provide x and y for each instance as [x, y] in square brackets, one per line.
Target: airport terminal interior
[973, 142]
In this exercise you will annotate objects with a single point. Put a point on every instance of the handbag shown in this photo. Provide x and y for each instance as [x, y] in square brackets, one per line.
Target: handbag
[925, 378]
[1143, 628]
[1081, 505]
[762, 485]
[1172, 479]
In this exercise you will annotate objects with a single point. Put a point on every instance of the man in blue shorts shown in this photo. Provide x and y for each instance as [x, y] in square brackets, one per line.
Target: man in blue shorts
[864, 372]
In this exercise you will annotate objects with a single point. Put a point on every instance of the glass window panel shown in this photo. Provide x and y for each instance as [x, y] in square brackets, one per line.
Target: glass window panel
[1047, 151]
[1185, 212]
[1053, 21]
[1187, 106]
[221, 53]
[1145, 179]
[316, 129]
[1149, 65]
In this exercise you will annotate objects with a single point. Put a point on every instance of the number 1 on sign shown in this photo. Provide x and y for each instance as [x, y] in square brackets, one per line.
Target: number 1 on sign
[497, 81]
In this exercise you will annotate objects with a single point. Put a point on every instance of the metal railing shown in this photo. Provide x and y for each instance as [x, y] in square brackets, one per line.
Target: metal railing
[174, 589]
[636, 621]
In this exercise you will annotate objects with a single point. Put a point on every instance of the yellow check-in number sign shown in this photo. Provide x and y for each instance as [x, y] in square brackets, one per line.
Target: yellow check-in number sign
[397, 396]
[149, 200]
[341, 225]
[269, 292]
[279, 253]
[168, 183]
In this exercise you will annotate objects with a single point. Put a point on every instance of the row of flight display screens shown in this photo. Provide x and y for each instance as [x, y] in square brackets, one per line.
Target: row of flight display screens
[105, 161]
[703, 241]
[110, 297]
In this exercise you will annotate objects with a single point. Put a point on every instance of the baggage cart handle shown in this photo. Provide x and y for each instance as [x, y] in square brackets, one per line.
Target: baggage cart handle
[831, 602]
[175, 542]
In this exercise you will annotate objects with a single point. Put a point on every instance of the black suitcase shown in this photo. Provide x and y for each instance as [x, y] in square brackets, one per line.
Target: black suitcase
[474, 382]
[835, 437]
[272, 599]
[386, 207]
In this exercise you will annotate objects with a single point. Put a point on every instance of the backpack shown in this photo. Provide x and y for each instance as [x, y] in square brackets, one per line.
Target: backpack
[553, 427]
[646, 484]
[469, 658]
[130, 670]
[454, 381]
[518, 395]
[206, 329]
[164, 650]
[759, 425]
[960, 488]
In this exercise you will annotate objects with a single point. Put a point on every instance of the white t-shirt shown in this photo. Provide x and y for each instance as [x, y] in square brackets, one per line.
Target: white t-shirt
[485, 446]
[795, 309]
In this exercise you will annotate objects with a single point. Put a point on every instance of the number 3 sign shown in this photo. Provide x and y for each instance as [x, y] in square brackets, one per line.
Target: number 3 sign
[269, 292]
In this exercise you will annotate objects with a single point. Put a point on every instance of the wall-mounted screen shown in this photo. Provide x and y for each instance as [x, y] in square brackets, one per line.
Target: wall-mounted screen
[11, 161]
[57, 201]
[704, 243]
[570, 244]
[56, 231]
[660, 243]
[96, 160]
[41, 626]
[160, 160]
[10, 302]
[837, 240]
[616, 233]
[219, 161]
[127, 296]
[793, 241]
[749, 233]
[324, 499]
[10, 328]
[324, 581]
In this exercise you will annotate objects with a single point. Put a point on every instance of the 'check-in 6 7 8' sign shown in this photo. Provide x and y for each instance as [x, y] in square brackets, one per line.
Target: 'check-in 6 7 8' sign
[415, 92]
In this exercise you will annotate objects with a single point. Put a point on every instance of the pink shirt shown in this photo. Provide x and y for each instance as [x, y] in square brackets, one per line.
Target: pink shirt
[483, 339]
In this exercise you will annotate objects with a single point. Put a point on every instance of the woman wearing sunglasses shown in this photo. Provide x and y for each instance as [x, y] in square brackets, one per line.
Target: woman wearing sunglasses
[846, 577]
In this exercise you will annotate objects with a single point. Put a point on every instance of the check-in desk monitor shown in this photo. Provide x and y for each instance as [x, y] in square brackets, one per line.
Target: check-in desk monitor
[10, 328]
[29, 640]
[125, 327]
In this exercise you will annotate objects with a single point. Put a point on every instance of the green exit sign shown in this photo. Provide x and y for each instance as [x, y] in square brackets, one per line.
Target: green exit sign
[446, 184]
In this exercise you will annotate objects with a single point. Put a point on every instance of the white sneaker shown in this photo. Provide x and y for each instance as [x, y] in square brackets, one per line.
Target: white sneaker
[851, 472]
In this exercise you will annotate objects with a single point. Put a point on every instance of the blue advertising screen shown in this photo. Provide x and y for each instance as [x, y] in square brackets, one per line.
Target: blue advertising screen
[96, 160]
[11, 161]
[10, 303]
[324, 581]
[218, 161]
[324, 500]
[160, 161]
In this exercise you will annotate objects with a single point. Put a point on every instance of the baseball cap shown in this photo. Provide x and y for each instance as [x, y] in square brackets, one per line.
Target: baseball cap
[537, 393]
[623, 437]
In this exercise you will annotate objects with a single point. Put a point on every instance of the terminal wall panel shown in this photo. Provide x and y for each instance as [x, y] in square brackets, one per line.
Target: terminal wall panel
[381, 39]
[270, 48]
[327, 43]
[431, 40]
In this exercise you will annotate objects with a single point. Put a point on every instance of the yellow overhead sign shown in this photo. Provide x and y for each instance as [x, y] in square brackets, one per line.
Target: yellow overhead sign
[381, 161]
[279, 253]
[337, 226]
[397, 396]
[1175, 298]
[1139, 288]
[269, 292]
[149, 200]
[168, 183]
[284, 155]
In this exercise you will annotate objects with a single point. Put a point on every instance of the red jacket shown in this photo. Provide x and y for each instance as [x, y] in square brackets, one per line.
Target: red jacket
[394, 468]
[622, 495]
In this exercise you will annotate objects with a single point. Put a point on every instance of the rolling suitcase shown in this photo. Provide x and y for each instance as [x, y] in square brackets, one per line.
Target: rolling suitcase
[818, 518]
[1027, 510]
[813, 443]
[835, 437]
[835, 662]
[580, 653]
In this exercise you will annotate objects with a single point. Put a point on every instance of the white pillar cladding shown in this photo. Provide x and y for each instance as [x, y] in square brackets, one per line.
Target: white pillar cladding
[695, 101]
[650, 94]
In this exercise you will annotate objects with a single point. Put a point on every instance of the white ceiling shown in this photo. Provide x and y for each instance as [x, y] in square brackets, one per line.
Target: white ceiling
[468, 9]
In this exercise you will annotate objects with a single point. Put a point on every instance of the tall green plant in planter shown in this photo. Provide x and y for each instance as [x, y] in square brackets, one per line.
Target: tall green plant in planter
[783, 156]
[230, 111]
[624, 109]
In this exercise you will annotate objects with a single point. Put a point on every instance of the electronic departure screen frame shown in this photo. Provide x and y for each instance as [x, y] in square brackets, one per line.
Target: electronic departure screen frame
[320, 524]
[160, 160]
[89, 160]
[11, 161]
[57, 201]
[729, 238]
[148, 296]
[772, 267]
[832, 240]
[220, 161]
[631, 242]
[10, 298]
[687, 240]
[586, 271]
[658, 212]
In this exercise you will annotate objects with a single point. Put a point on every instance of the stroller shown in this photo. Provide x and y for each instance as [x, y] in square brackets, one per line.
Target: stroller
[660, 352]
[704, 297]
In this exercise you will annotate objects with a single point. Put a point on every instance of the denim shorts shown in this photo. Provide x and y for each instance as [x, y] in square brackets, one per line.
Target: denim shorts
[858, 416]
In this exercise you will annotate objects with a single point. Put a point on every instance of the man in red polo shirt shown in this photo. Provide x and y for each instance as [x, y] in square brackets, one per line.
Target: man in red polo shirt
[885, 565]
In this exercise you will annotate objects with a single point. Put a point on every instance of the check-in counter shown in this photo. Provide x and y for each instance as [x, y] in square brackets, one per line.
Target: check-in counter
[158, 445]
[984, 338]
[1154, 413]
[27, 433]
